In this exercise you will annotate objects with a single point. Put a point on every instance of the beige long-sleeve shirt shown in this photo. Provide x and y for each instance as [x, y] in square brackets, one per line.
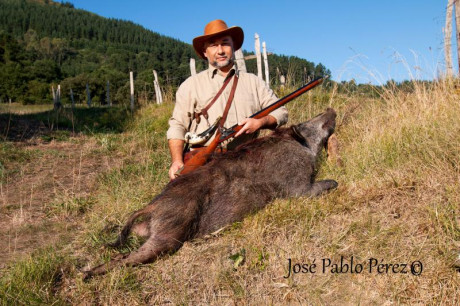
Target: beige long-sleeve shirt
[195, 93]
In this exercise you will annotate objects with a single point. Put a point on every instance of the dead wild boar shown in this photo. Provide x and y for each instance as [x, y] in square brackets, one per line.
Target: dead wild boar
[227, 188]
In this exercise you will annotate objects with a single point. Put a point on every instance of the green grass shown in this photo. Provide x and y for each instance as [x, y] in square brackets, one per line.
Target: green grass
[11, 155]
[33, 280]
[20, 109]
[68, 206]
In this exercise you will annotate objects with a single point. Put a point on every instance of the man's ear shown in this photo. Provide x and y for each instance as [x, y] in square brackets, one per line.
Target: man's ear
[204, 52]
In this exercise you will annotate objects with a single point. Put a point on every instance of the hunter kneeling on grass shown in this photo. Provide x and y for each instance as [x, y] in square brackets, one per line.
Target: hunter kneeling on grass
[221, 95]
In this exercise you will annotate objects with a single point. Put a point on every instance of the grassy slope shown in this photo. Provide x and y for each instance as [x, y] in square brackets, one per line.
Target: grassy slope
[397, 201]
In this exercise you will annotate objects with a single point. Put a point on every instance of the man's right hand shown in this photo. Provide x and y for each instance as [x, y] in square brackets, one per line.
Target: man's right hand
[175, 166]
[175, 148]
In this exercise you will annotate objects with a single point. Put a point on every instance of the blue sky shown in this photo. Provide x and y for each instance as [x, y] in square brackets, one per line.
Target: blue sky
[369, 41]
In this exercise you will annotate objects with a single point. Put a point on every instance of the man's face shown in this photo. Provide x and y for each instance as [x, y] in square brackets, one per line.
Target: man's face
[219, 52]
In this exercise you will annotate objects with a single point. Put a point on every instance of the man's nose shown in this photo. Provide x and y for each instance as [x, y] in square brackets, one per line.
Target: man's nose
[220, 49]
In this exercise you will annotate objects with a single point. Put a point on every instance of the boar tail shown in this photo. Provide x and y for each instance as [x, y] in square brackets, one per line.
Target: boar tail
[123, 237]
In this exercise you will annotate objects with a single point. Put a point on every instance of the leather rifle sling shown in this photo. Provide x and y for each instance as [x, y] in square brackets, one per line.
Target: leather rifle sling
[204, 111]
[229, 101]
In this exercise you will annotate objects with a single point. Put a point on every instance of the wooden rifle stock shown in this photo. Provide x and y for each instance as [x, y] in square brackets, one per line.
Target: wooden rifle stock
[202, 156]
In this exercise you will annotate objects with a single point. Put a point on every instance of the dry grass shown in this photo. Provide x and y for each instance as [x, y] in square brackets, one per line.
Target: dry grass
[18, 108]
[398, 202]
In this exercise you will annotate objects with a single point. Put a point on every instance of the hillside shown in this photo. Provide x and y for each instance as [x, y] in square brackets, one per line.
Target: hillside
[46, 42]
[397, 204]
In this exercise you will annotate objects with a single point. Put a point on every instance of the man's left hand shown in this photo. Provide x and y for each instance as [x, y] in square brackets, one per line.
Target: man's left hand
[251, 125]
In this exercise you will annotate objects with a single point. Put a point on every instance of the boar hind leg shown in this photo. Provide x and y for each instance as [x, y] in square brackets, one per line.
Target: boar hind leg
[147, 253]
[320, 187]
[142, 229]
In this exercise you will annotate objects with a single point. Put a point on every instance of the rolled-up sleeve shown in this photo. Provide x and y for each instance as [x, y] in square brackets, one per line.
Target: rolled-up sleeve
[180, 119]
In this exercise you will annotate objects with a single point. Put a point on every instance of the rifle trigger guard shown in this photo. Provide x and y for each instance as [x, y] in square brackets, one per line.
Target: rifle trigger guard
[224, 132]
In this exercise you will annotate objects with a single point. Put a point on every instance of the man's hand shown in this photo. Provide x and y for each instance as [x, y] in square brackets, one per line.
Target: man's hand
[175, 166]
[251, 125]
[175, 147]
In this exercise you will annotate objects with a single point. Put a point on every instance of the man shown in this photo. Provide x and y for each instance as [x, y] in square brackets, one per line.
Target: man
[202, 98]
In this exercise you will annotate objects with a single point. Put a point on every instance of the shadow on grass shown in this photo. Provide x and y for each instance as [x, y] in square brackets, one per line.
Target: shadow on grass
[61, 123]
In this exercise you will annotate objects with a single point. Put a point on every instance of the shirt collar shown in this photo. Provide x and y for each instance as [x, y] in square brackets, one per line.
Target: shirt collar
[212, 71]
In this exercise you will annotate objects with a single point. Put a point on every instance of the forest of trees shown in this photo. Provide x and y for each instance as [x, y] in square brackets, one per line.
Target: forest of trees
[45, 42]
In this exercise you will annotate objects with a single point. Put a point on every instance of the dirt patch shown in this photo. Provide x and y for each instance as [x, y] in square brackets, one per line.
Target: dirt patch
[19, 129]
[35, 195]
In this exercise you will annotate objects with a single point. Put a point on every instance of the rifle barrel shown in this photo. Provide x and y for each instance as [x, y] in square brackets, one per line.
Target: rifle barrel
[267, 110]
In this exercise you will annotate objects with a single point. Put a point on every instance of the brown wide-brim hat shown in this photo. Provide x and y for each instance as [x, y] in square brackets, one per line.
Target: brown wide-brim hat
[214, 29]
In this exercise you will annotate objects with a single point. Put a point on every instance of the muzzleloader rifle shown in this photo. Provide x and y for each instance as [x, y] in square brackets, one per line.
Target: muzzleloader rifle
[224, 134]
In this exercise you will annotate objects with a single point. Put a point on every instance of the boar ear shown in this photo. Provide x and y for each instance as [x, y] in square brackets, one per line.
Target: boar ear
[297, 135]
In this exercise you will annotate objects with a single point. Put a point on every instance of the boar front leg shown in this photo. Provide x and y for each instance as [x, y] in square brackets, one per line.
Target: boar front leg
[312, 190]
[320, 187]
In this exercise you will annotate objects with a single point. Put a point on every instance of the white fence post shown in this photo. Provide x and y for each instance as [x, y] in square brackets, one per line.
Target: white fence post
[58, 95]
[156, 86]
[88, 95]
[71, 98]
[54, 94]
[282, 81]
[267, 76]
[131, 83]
[258, 56]
[457, 27]
[239, 58]
[448, 37]
[192, 66]
[109, 102]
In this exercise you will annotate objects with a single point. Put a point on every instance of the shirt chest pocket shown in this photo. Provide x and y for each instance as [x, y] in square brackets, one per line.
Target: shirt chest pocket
[245, 104]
